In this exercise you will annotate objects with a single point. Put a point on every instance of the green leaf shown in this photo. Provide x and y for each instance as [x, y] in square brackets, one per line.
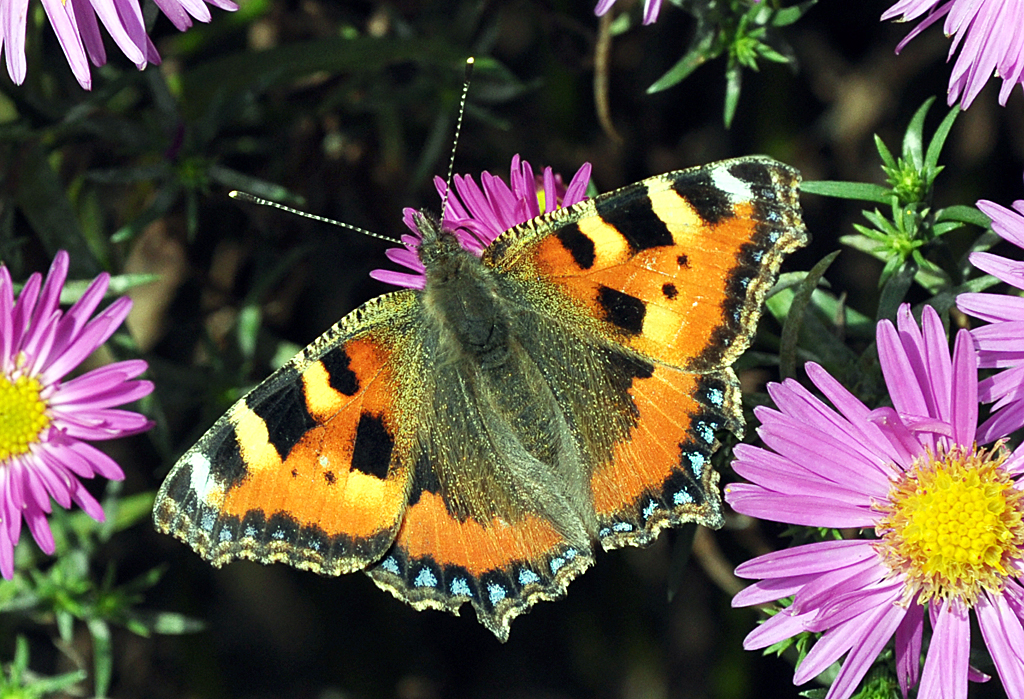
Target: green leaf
[622, 23]
[768, 53]
[788, 15]
[131, 509]
[250, 320]
[232, 179]
[913, 140]
[929, 275]
[888, 161]
[894, 291]
[939, 229]
[964, 214]
[931, 159]
[103, 658]
[42, 197]
[697, 56]
[861, 191]
[119, 285]
[733, 80]
[794, 319]
[166, 623]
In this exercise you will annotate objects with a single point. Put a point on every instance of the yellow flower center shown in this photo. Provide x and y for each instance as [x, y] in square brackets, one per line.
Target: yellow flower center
[954, 525]
[22, 415]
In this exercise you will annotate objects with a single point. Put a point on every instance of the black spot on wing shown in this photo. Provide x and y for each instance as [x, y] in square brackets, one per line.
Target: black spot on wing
[372, 451]
[623, 368]
[629, 211]
[683, 261]
[711, 203]
[578, 245]
[341, 377]
[424, 479]
[281, 527]
[622, 310]
[283, 411]
[226, 457]
[681, 487]
[669, 290]
[179, 483]
[752, 172]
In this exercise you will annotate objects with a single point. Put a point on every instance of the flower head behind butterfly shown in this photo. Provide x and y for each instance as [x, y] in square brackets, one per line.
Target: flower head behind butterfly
[477, 214]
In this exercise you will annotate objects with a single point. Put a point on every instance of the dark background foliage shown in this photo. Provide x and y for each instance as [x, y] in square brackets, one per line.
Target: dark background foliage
[347, 110]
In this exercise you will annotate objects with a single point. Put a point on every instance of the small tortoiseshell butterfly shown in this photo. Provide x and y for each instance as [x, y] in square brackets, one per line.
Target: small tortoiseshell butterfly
[475, 440]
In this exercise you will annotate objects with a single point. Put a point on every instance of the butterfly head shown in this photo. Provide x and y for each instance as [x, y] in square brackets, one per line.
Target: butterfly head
[475, 214]
[441, 251]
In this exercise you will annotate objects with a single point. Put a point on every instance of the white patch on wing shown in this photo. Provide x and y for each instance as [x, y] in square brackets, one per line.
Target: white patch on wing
[200, 466]
[727, 182]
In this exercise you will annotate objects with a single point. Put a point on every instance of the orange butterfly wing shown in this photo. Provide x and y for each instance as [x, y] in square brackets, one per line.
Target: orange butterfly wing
[306, 469]
[674, 268]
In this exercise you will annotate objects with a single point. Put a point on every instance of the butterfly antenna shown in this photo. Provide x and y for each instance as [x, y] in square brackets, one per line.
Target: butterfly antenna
[458, 129]
[245, 196]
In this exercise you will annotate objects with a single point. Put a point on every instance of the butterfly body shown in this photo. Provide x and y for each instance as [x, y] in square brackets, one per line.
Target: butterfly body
[475, 440]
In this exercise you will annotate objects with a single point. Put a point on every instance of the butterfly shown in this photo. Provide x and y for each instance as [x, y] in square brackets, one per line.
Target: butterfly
[477, 439]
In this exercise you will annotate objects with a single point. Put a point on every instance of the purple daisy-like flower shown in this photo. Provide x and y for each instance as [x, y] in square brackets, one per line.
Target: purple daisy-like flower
[74, 23]
[477, 214]
[651, 9]
[948, 519]
[44, 419]
[1001, 343]
[989, 33]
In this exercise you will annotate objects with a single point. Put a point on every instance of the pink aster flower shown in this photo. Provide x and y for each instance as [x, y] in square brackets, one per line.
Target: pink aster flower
[74, 23]
[948, 520]
[44, 419]
[479, 214]
[651, 9]
[990, 34]
[1000, 344]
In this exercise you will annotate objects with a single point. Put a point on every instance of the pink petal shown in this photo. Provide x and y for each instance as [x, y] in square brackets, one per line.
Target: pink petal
[835, 643]
[945, 667]
[1004, 637]
[908, 647]
[964, 409]
[768, 591]
[89, 29]
[883, 624]
[991, 308]
[778, 474]
[778, 628]
[40, 529]
[1006, 223]
[752, 500]
[123, 21]
[13, 20]
[807, 559]
[1009, 271]
[900, 371]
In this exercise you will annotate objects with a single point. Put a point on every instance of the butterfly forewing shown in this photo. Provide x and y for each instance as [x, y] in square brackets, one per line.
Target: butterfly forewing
[675, 267]
[307, 468]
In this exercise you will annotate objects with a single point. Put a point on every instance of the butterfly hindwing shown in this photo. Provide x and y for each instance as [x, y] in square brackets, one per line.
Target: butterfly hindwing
[308, 467]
